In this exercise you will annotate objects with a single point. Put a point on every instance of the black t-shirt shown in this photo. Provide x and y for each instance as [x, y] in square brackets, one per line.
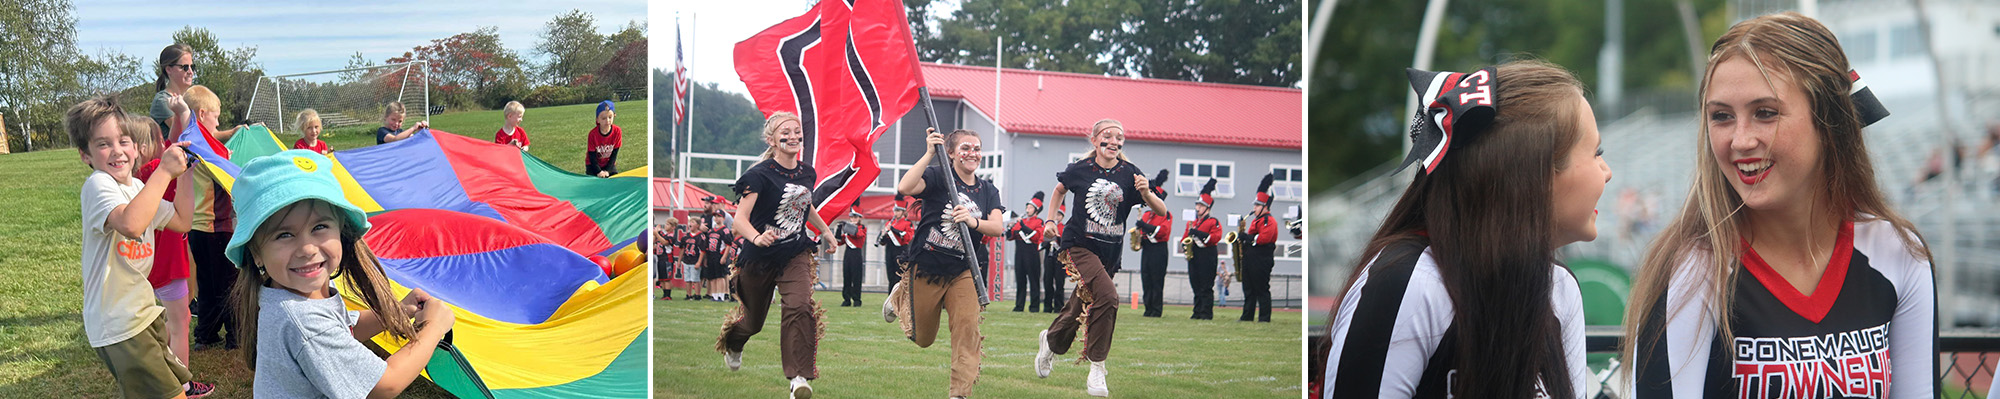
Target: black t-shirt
[784, 201]
[382, 134]
[939, 249]
[1104, 198]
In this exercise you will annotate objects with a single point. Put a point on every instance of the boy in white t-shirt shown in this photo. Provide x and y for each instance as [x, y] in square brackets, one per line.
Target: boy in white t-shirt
[121, 317]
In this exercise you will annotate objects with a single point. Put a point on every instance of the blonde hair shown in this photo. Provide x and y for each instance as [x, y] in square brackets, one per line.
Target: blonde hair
[145, 134]
[393, 108]
[1710, 223]
[1100, 127]
[514, 108]
[771, 131]
[200, 98]
[307, 115]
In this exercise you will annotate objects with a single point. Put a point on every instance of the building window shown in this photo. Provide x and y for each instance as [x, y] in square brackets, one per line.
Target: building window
[1077, 156]
[1288, 183]
[1193, 173]
[1292, 250]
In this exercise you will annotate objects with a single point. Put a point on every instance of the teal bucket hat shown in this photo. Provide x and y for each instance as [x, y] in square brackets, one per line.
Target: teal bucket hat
[270, 183]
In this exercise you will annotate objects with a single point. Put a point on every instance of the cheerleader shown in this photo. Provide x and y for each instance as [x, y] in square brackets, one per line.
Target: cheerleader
[1787, 273]
[775, 206]
[1260, 249]
[851, 236]
[1156, 228]
[1027, 236]
[1204, 233]
[1107, 187]
[1460, 292]
[939, 275]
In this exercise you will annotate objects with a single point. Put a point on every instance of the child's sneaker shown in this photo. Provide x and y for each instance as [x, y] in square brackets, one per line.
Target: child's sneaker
[801, 389]
[199, 389]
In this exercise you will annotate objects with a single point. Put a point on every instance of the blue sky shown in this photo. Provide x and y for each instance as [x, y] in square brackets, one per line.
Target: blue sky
[304, 36]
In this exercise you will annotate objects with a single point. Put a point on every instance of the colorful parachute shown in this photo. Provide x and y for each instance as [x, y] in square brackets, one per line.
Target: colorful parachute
[506, 240]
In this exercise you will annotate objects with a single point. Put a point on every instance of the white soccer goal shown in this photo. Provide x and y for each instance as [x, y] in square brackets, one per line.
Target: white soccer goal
[343, 97]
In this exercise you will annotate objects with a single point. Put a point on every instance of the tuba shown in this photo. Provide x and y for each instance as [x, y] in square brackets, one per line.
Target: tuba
[1136, 238]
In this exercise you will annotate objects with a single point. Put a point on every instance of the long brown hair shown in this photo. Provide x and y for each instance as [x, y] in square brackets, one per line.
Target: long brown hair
[1803, 52]
[1487, 214]
[168, 56]
[357, 263]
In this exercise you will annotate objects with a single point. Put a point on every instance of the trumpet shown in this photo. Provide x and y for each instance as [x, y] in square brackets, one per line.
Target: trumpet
[1136, 238]
[1187, 247]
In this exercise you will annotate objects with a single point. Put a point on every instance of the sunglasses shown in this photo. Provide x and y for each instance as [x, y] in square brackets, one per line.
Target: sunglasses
[183, 67]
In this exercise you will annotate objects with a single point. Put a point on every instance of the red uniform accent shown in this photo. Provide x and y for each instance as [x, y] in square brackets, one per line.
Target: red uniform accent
[170, 260]
[902, 232]
[1162, 226]
[1206, 225]
[1263, 230]
[855, 240]
[1032, 226]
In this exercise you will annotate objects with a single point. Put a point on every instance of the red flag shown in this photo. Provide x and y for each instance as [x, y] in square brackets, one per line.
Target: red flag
[848, 68]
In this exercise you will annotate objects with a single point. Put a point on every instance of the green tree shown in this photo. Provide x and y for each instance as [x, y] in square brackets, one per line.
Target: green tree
[723, 123]
[231, 74]
[1226, 41]
[573, 46]
[45, 73]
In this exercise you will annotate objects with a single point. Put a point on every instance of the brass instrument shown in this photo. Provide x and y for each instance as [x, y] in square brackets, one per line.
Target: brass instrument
[1187, 247]
[1136, 238]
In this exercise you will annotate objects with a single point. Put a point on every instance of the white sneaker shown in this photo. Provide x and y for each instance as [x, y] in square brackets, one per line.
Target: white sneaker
[733, 359]
[1094, 385]
[1045, 360]
[889, 313]
[800, 389]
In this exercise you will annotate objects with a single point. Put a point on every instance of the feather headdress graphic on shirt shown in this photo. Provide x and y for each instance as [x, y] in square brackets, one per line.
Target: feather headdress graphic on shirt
[1101, 205]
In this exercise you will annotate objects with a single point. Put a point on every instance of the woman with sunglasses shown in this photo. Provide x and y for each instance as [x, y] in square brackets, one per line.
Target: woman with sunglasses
[1106, 186]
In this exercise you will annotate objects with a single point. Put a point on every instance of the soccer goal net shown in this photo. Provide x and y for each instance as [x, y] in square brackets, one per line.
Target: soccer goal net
[343, 97]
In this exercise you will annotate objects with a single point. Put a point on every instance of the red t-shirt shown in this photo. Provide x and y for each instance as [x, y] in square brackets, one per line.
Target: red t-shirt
[600, 145]
[170, 254]
[519, 137]
[319, 147]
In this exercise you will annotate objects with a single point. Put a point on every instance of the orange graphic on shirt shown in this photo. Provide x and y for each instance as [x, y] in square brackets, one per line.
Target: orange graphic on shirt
[135, 250]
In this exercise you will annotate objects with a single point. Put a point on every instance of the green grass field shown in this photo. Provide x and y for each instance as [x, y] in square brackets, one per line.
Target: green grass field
[862, 357]
[42, 349]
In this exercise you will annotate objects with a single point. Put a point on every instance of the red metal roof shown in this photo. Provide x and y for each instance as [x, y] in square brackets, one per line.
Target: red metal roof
[1066, 104]
[690, 198]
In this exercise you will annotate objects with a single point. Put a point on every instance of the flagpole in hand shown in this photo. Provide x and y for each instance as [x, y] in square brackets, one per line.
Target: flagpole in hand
[951, 183]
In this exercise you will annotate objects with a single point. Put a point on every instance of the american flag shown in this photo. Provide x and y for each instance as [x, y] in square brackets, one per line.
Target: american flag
[680, 76]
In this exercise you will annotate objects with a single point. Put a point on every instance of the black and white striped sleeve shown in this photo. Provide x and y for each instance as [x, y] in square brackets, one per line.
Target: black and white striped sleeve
[1388, 326]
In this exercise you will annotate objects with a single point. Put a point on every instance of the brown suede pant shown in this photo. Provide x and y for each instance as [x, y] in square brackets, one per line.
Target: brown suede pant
[799, 330]
[1092, 308]
[959, 299]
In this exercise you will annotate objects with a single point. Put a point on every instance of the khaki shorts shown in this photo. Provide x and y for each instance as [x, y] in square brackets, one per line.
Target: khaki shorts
[142, 365]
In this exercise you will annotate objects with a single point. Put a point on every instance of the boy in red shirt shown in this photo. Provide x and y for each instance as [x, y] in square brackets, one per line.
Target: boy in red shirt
[600, 155]
[512, 132]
